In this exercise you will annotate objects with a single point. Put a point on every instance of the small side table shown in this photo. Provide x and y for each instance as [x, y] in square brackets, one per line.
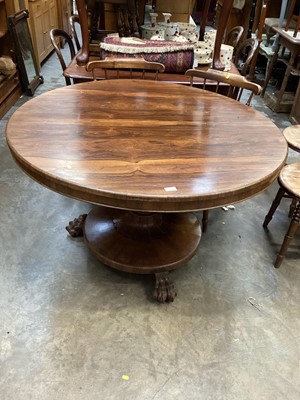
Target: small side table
[286, 40]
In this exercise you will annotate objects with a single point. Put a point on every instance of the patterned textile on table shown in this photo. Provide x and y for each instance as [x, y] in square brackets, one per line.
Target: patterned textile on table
[176, 57]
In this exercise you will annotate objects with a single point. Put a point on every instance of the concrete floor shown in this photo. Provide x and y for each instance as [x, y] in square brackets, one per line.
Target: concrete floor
[71, 328]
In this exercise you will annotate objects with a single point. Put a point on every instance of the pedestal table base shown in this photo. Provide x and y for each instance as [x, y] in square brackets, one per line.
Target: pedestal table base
[143, 243]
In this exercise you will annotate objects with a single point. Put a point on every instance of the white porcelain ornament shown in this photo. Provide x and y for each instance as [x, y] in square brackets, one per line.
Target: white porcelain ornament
[153, 29]
[171, 28]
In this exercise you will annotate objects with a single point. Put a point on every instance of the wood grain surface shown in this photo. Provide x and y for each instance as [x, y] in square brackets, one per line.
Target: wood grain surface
[148, 146]
[290, 179]
[142, 244]
[292, 136]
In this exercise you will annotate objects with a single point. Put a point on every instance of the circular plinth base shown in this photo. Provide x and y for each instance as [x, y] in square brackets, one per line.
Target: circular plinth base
[141, 243]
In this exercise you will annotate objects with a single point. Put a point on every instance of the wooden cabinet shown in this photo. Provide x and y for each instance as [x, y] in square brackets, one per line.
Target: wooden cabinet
[64, 11]
[43, 18]
[180, 10]
[45, 15]
[10, 88]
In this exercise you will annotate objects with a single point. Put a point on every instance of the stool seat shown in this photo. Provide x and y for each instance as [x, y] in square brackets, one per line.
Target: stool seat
[292, 136]
[289, 178]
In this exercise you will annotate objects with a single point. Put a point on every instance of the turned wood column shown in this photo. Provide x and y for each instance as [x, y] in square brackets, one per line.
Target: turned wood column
[82, 57]
[280, 23]
[132, 11]
[222, 23]
[263, 14]
[204, 19]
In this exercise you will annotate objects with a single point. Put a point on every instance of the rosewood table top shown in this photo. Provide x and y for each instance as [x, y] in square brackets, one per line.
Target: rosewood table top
[146, 146]
[148, 152]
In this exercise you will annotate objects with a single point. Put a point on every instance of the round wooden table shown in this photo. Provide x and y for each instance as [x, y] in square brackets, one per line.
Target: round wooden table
[146, 153]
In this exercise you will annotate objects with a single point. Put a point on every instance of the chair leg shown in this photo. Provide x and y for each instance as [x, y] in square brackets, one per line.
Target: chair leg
[204, 220]
[274, 205]
[289, 236]
[292, 207]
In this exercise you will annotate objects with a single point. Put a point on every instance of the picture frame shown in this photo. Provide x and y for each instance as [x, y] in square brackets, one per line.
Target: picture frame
[23, 52]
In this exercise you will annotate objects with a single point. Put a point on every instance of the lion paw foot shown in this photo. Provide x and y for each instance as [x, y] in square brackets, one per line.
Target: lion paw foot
[75, 227]
[165, 290]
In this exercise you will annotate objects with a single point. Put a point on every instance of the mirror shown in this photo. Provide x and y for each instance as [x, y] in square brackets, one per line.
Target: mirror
[23, 50]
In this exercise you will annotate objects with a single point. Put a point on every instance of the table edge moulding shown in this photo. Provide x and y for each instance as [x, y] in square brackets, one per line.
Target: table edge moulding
[145, 167]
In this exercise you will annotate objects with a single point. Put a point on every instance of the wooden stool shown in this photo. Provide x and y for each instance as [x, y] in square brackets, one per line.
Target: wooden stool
[289, 181]
[292, 136]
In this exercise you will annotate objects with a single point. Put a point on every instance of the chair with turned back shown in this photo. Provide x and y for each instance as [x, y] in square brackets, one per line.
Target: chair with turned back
[113, 68]
[244, 55]
[232, 86]
[234, 36]
[243, 51]
[55, 36]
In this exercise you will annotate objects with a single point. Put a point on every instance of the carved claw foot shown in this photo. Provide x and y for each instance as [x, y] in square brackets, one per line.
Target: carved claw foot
[165, 290]
[75, 227]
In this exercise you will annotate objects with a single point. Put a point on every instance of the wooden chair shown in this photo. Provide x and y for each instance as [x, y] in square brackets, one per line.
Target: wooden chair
[236, 85]
[244, 55]
[291, 16]
[113, 68]
[75, 25]
[234, 35]
[55, 36]
[289, 181]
